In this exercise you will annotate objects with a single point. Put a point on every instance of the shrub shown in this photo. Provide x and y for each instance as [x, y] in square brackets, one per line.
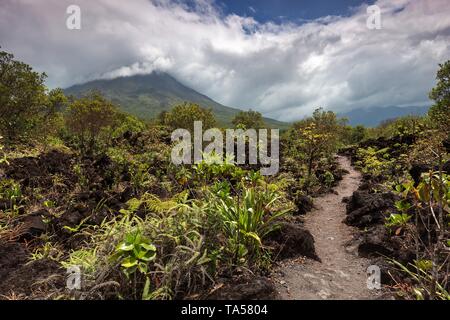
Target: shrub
[183, 116]
[127, 123]
[246, 220]
[11, 193]
[429, 203]
[440, 111]
[314, 138]
[134, 253]
[248, 120]
[87, 117]
[23, 100]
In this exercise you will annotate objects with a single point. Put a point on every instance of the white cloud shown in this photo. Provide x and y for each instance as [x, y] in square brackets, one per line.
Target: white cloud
[283, 70]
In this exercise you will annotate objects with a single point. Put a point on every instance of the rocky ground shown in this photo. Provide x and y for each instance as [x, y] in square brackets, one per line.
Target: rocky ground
[317, 252]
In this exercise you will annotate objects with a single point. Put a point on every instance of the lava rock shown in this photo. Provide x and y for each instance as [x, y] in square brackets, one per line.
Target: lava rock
[24, 279]
[364, 208]
[71, 218]
[375, 243]
[12, 255]
[304, 204]
[417, 169]
[34, 224]
[292, 240]
[258, 288]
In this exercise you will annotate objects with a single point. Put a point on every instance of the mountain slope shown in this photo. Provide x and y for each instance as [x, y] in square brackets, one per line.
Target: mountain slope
[374, 116]
[147, 95]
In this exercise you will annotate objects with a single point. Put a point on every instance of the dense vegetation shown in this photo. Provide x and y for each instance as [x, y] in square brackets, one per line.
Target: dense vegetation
[406, 190]
[85, 184]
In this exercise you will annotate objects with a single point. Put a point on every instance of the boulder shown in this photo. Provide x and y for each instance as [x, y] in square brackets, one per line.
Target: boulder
[304, 204]
[292, 240]
[364, 208]
[375, 242]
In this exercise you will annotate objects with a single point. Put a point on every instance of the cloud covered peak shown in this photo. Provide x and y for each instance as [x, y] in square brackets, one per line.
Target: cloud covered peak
[283, 70]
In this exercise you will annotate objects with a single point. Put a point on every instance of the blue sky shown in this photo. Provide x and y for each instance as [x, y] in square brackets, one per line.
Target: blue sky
[296, 11]
[236, 56]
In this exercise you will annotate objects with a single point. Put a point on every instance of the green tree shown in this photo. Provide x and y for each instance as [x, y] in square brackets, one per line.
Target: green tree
[53, 120]
[408, 125]
[183, 116]
[249, 120]
[127, 123]
[316, 137]
[23, 99]
[358, 134]
[87, 117]
[440, 111]
[57, 101]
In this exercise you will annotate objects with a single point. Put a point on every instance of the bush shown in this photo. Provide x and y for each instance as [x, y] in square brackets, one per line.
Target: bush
[87, 117]
[248, 120]
[440, 111]
[246, 220]
[183, 116]
[23, 100]
[424, 217]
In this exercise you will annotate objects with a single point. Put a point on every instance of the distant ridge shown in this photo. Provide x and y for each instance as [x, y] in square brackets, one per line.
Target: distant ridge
[374, 116]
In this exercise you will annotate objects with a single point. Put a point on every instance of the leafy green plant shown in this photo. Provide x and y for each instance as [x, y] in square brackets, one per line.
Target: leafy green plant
[254, 177]
[421, 273]
[11, 192]
[221, 189]
[134, 253]
[77, 227]
[214, 167]
[49, 204]
[374, 162]
[397, 220]
[328, 179]
[247, 221]
[182, 175]
[47, 251]
[429, 201]
[83, 180]
[153, 203]
[140, 176]
[86, 258]
[132, 206]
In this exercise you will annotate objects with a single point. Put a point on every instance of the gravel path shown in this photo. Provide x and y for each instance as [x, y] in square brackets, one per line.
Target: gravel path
[341, 274]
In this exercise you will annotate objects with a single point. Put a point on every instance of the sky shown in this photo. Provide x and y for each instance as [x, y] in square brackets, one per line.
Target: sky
[282, 58]
[295, 11]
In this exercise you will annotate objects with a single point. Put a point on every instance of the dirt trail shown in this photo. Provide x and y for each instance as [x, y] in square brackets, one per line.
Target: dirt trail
[341, 274]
